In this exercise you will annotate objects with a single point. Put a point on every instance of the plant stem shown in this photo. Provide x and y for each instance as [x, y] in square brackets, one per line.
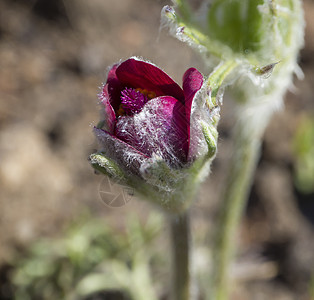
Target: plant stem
[184, 9]
[180, 237]
[239, 180]
[218, 76]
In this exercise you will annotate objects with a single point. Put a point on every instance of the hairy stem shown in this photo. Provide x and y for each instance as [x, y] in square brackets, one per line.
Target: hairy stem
[243, 164]
[180, 237]
[218, 76]
[184, 9]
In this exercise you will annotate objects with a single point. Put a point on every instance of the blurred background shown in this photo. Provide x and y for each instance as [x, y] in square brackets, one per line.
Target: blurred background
[56, 232]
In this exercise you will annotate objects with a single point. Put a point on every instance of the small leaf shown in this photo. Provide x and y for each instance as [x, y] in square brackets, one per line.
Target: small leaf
[106, 166]
[210, 135]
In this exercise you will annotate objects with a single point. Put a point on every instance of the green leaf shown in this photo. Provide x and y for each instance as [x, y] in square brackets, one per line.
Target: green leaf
[106, 166]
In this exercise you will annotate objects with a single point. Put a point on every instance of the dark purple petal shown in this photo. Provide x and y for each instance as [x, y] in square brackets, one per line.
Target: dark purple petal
[114, 88]
[120, 152]
[159, 129]
[139, 74]
[192, 82]
[108, 113]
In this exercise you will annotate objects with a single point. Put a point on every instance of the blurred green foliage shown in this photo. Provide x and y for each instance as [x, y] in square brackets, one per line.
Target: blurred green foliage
[304, 152]
[89, 258]
[229, 23]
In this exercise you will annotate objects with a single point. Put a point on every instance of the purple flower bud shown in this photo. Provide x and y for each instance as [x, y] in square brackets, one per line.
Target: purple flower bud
[154, 135]
[144, 109]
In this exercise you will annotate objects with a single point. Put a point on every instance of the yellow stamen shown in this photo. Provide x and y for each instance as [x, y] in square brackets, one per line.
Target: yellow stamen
[147, 93]
[151, 95]
[121, 111]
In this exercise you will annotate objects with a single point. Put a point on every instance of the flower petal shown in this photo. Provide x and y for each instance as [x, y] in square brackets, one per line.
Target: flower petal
[192, 83]
[112, 89]
[108, 114]
[139, 74]
[120, 152]
[160, 129]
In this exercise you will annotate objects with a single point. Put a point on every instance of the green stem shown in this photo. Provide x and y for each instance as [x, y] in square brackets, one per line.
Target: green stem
[216, 78]
[180, 237]
[239, 180]
[184, 9]
[197, 37]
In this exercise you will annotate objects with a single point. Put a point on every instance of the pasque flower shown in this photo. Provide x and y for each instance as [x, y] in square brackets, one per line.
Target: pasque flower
[151, 132]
